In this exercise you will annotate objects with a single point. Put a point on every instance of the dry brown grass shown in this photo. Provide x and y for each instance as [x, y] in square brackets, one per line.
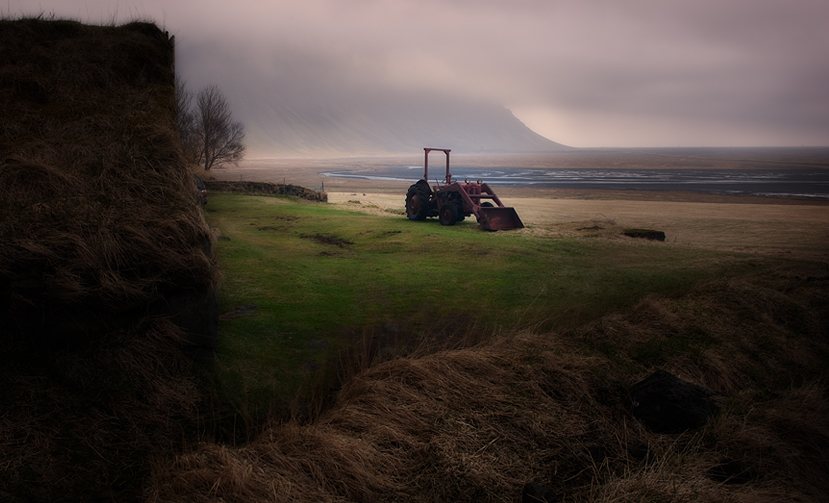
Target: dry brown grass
[797, 229]
[103, 253]
[476, 424]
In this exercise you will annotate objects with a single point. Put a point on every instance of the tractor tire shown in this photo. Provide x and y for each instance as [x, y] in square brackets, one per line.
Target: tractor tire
[487, 204]
[417, 201]
[448, 214]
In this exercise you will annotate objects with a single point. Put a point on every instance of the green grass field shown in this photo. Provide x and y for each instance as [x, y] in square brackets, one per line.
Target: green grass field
[304, 281]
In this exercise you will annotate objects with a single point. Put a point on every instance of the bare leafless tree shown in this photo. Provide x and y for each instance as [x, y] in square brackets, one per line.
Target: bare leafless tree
[219, 137]
[209, 136]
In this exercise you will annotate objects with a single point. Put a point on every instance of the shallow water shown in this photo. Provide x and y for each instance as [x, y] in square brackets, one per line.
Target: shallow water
[811, 182]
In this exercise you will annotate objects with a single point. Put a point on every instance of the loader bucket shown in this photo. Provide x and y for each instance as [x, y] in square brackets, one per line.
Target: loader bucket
[499, 219]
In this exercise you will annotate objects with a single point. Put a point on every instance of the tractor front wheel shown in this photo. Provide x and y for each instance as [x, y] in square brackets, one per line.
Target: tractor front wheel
[448, 214]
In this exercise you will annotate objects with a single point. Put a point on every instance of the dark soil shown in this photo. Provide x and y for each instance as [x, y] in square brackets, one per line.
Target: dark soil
[328, 239]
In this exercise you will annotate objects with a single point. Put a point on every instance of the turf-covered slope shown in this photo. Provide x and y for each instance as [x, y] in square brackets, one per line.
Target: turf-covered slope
[477, 424]
[105, 266]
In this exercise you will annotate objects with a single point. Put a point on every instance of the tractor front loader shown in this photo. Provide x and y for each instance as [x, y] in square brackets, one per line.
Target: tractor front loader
[453, 201]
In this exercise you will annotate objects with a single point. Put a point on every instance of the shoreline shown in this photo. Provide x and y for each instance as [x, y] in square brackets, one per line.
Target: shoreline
[772, 226]
[313, 179]
[312, 174]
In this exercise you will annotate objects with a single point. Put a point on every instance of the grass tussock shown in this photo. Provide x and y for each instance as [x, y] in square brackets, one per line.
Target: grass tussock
[105, 262]
[478, 423]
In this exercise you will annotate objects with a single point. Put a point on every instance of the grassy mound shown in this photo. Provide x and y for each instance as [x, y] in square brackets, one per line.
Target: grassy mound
[275, 189]
[304, 281]
[105, 260]
[477, 424]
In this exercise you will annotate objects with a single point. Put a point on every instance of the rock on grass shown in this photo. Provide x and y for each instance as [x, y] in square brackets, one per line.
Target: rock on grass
[645, 234]
[665, 403]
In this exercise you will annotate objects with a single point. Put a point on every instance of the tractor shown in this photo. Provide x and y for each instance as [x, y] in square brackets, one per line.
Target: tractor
[453, 201]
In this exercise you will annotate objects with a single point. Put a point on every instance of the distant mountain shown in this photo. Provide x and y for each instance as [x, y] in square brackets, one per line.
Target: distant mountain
[296, 101]
[391, 122]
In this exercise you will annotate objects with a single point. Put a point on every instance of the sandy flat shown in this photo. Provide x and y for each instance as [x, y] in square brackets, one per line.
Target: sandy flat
[796, 230]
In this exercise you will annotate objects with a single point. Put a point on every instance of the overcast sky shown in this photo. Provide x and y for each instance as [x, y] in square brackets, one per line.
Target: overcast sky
[587, 73]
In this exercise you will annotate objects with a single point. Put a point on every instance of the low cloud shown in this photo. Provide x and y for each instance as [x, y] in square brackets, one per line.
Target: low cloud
[589, 74]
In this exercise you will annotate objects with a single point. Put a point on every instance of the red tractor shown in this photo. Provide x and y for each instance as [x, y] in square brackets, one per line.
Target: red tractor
[454, 201]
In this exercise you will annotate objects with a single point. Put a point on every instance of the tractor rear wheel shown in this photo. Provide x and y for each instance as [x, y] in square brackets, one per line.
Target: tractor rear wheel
[448, 214]
[417, 201]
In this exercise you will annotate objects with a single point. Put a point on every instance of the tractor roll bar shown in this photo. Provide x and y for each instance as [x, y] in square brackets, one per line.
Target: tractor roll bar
[426, 151]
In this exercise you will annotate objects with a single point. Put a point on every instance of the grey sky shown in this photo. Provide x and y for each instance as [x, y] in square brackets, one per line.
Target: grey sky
[597, 73]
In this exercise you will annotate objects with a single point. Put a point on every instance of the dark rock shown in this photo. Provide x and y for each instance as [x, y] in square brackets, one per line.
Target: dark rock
[666, 404]
[731, 471]
[537, 493]
[645, 234]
